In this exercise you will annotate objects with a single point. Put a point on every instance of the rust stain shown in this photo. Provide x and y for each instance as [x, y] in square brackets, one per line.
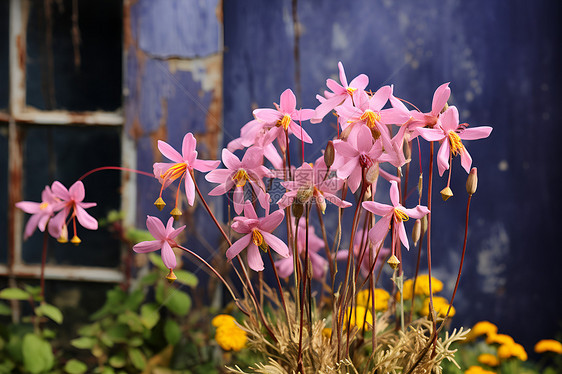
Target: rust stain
[15, 169]
[136, 130]
[219, 12]
[161, 132]
[213, 121]
[127, 31]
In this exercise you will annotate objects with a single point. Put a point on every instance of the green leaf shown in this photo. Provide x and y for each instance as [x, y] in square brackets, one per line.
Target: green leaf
[37, 354]
[135, 299]
[49, 334]
[159, 292]
[118, 361]
[14, 294]
[34, 291]
[137, 358]
[149, 315]
[186, 277]
[150, 278]
[136, 236]
[132, 320]
[135, 341]
[178, 302]
[90, 330]
[74, 366]
[83, 342]
[172, 332]
[5, 310]
[118, 333]
[50, 311]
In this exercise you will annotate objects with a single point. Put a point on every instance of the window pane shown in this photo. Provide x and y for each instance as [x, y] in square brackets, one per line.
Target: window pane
[54, 81]
[64, 154]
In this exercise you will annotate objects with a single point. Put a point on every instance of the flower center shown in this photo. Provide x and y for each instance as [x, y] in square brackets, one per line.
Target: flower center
[43, 206]
[365, 161]
[257, 239]
[174, 172]
[350, 90]
[370, 117]
[241, 177]
[400, 216]
[455, 142]
[285, 121]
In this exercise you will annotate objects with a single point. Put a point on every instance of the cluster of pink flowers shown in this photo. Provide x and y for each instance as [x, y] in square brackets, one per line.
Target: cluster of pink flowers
[372, 130]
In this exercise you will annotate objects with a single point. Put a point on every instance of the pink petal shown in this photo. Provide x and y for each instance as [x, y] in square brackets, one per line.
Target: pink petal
[238, 199]
[475, 133]
[219, 175]
[238, 246]
[230, 160]
[402, 234]
[189, 189]
[169, 152]
[343, 78]
[147, 246]
[168, 256]
[466, 160]
[303, 115]
[249, 211]
[86, 220]
[431, 135]
[221, 189]
[379, 230]
[252, 158]
[284, 267]
[377, 208]
[31, 225]
[364, 140]
[276, 244]
[354, 179]
[346, 150]
[325, 108]
[394, 194]
[440, 98]
[156, 227]
[360, 82]
[77, 192]
[60, 191]
[176, 232]
[29, 206]
[205, 165]
[288, 101]
[380, 98]
[271, 222]
[319, 265]
[56, 223]
[300, 133]
[273, 156]
[450, 119]
[268, 116]
[189, 144]
[443, 157]
[417, 212]
[342, 255]
[254, 258]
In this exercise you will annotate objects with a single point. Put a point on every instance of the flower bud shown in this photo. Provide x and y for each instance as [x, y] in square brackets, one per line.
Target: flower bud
[472, 181]
[420, 184]
[393, 262]
[368, 194]
[321, 201]
[416, 231]
[372, 174]
[424, 224]
[297, 209]
[406, 147]
[329, 154]
[446, 193]
[304, 194]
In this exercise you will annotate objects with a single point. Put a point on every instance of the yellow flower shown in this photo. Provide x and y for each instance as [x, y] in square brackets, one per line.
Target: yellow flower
[548, 345]
[326, 333]
[381, 299]
[499, 339]
[512, 350]
[422, 285]
[360, 317]
[228, 335]
[478, 370]
[482, 328]
[440, 304]
[488, 359]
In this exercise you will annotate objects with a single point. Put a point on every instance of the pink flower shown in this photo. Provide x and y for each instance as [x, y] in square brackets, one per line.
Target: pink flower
[452, 134]
[250, 170]
[395, 214]
[358, 153]
[283, 118]
[340, 93]
[182, 165]
[360, 245]
[164, 240]
[310, 183]
[258, 235]
[71, 202]
[40, 212]
[285, 266]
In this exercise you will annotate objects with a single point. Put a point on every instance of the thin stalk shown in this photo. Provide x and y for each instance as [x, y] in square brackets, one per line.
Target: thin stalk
[429, 194]
[326, 246]
[43, 261]
[116, 168]
[416, 276]
[279, 287]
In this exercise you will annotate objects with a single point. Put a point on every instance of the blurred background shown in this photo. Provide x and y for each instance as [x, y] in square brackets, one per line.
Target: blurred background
[94, 83]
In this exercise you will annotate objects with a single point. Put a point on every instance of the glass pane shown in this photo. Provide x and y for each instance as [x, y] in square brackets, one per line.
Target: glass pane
[64, 154]
[55, 77]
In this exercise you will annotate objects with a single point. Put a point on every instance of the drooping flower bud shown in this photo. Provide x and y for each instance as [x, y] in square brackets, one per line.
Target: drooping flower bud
[446, 193]
[329, 154]
[424, 224]
[372, 174]
[472, 181]
[406, 147]
[297, 209]
[321, 201]
[416, 231]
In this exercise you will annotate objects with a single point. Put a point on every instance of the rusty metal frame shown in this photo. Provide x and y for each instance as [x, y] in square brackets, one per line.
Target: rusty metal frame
[19, 115]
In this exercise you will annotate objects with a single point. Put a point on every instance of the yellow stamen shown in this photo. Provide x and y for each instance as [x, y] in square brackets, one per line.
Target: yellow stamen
[241, 177]
[371, 117]
[285, 121]
[257, 238]
[174, 172]
[63, 237]
[400, 215]
[43, 206]
[351, 90]
[455, 142]
[75, 240]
